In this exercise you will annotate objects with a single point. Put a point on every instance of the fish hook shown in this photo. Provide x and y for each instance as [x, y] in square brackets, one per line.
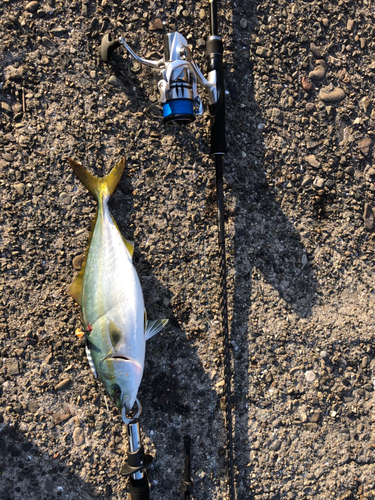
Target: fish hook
[127, 420]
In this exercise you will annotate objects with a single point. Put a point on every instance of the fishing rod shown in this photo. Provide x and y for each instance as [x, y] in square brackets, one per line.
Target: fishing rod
[178, 77]
[137, 461]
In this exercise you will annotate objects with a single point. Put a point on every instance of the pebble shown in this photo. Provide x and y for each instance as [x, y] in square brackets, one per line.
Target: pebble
[310, 376]
[202, 14]
[332, 94]
[365, 103]
[77, 261]
[65, 198]
[58, 418]
[368, 217]
[243, 23]
[33, 406]
[32, 6]
[63, 384]
[59, 31]
[306, 84]
[350, 25]
[319, 182]
[319, 71]
[20, 188]
[156, 24]
[316, 416]
[78, 436]
[364, 145]
[315, 51]
[116, 82]
[263, 52]
[12, 367]
[312, 161]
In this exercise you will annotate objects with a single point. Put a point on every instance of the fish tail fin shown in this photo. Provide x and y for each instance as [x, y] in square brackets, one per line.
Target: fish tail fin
[99, 186]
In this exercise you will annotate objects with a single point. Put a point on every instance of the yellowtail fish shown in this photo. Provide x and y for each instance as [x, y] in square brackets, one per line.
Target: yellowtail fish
[108, 290]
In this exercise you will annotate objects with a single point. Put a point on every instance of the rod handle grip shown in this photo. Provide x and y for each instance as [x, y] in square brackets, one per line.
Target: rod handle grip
[139, 488]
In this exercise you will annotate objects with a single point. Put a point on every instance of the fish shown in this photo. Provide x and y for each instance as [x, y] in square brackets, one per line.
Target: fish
[108, 289]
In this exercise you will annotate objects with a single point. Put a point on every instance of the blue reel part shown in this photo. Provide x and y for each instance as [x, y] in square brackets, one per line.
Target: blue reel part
[178, 111]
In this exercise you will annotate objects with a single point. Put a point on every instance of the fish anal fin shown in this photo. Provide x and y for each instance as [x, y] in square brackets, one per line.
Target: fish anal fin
[154, 327]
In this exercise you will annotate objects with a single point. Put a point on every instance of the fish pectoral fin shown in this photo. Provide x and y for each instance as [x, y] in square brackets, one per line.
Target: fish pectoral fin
[154, 327]
[75, 288]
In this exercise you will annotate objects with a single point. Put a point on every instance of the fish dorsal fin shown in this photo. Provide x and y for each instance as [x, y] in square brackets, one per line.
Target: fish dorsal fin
[154, 327]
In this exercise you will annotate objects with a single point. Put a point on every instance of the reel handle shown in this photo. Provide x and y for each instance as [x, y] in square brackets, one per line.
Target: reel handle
[108, 46]
[139, 488]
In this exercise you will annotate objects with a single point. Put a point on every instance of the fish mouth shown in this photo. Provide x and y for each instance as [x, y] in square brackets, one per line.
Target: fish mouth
[120, 356]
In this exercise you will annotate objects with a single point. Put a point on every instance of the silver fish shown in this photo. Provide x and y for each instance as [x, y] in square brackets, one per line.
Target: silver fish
[110, 294]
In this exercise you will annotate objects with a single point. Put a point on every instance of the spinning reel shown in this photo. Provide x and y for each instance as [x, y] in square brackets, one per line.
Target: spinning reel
[177, 75]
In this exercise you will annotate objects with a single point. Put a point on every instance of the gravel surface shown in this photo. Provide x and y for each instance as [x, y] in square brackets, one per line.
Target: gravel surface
[300, 185]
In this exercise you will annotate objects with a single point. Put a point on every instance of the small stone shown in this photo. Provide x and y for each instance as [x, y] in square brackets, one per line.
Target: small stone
[310, 107]
[306, 84]
[276, 116]
[319, 71]
[243, 23]
[350, 25]
[65, 199]
[38, 189]
[156, 24]
[33, 406]
[315, 51]
[77, 261]
[368, 217]
[58, 418]
[202, 14]
[349, 170]
[365, 103]
[32, 7]
[63, 384]
[263, 52]
[20, 188]
[310, 376]
[319, 182]
[12, 367]
[332, 94]
[78, 436]
[324, 355]
[59, 31]
[316, 416]
[312, 161]
[371, 172]
[365, 361]
[306, 181]
[116, 82]
[325, 22]
[364, 145]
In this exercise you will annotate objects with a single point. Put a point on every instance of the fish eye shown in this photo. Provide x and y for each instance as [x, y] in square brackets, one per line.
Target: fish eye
[116, 390]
